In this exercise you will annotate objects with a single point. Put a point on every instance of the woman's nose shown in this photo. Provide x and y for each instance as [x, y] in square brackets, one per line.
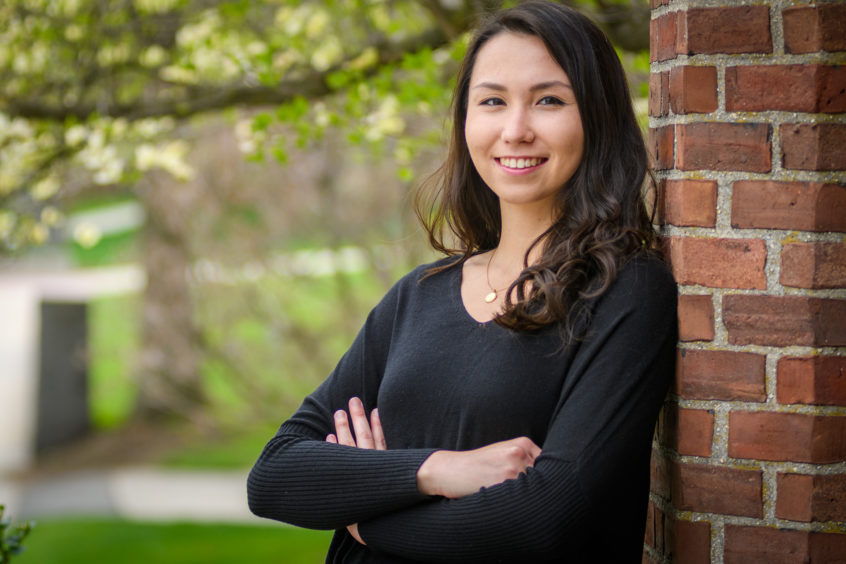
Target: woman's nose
[517, 128]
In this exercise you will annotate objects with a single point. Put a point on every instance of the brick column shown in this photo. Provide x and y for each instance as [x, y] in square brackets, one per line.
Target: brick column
[748, 137]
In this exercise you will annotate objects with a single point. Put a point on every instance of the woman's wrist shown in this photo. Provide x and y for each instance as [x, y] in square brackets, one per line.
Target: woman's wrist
[427, 482]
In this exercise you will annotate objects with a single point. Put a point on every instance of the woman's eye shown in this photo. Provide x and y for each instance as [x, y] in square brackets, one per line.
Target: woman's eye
[550, 101]
[492, 102]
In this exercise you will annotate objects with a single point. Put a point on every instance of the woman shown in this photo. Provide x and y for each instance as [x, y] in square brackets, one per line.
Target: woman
[517, 380]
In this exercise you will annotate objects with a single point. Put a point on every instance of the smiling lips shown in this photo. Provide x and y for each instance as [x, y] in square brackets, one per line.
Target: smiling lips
[520, 162]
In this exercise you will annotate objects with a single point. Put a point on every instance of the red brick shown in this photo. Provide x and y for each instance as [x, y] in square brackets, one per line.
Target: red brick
[690, 542]
[719, 263]
[803, 497]
[715, 489]
[722, 375]
[696, 318]
[827, 548]
[689, 431]
[693, 89]
[787, 436]
[813, 146]
[816, 380]
[815, 28]
[744, 29]
[649, 533]
[662, 37]
[764, 545]
[724, 146]
[661, 140]
[659, 93]
[784, 320]
[813, 265]
[659, 475]
[690, 202]
[801, 88]
[806, 206]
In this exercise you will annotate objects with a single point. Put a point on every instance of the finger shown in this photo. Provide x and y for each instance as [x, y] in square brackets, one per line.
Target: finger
[363, 434]
[378, 433]
[331, 438]
[342, 429]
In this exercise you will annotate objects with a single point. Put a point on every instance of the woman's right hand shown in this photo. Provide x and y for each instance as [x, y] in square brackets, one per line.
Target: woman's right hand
[455, 474]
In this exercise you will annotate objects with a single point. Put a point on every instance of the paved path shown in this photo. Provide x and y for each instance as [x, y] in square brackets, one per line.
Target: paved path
[142, 493]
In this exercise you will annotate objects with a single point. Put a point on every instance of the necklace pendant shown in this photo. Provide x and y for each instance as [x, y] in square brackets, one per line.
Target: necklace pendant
[491, 297]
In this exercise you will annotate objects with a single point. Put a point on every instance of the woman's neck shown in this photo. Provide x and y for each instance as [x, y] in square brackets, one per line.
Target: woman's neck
[520, 228]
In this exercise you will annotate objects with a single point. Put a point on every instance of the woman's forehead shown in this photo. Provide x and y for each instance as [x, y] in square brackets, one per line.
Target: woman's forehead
[511, 57]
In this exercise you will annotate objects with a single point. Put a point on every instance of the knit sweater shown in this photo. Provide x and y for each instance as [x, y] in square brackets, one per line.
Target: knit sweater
[443, 380]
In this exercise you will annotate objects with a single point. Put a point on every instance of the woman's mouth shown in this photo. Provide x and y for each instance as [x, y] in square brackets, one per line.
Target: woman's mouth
[520, 163]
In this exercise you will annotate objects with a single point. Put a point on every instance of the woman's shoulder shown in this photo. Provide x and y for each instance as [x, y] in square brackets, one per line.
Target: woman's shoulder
[434, 271]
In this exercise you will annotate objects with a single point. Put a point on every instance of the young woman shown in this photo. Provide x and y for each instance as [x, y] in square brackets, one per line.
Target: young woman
[518, 379]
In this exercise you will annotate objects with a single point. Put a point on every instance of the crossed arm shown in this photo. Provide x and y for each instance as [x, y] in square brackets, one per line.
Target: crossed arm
[451, 474]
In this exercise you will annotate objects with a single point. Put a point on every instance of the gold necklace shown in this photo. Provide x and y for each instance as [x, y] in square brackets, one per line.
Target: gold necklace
[491, 296]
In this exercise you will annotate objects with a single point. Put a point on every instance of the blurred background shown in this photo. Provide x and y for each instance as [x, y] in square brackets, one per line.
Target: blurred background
[200, 201]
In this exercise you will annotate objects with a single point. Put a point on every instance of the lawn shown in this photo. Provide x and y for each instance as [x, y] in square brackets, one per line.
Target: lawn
[103, 541]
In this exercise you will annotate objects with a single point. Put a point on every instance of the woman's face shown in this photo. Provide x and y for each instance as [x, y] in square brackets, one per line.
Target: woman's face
[523, 128]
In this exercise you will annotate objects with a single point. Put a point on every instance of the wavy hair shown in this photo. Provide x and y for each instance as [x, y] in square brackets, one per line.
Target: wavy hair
[602, 219]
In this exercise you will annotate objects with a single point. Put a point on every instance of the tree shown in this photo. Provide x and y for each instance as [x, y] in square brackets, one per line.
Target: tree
[96, 92]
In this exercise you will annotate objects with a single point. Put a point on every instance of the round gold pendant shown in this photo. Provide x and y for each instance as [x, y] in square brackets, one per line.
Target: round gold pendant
[490, 298]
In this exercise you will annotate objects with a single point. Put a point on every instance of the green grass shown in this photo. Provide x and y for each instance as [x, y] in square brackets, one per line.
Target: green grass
[102, 541]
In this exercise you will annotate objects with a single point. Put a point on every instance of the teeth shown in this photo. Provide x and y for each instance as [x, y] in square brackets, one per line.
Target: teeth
[519, 163]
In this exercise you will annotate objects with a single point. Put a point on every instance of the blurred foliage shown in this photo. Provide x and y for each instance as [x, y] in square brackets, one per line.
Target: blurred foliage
[11, 537]
[94, 92]
[89, 541]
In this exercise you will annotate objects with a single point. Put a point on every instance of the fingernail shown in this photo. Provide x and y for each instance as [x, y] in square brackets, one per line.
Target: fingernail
[340, 414]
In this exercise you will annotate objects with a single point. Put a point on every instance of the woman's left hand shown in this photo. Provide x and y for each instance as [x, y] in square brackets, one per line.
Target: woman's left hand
[368, 434]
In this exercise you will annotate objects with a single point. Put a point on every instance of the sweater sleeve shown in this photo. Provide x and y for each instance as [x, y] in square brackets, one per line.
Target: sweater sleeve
[595, 455]
[303, 480]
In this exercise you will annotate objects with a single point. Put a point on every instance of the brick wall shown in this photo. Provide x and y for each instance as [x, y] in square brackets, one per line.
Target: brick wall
[748, 138]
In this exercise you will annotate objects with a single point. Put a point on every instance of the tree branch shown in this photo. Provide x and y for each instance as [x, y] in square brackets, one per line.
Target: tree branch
[198, 99]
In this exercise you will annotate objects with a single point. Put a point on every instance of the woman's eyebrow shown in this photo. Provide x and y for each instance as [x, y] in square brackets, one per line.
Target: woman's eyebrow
[538, 86]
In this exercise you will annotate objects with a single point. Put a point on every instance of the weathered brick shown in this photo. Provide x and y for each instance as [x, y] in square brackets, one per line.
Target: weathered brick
[659, 93]
[763, 545]
[813, 265]
[688, 431]
[716, 489]
[827, 547]
[662, 37]
[723, 375]
[741, 262]
[661, 140]
[801, 88]
[690, 202]
[743, 29]
[696, 317]
[803, 497]
[813, 146]
[814, 380]
[806, 206]
[690, 542]
[659, 475]
[784, 320]
[693, 89]
[808, 29]
[724, 146]
[797, 437]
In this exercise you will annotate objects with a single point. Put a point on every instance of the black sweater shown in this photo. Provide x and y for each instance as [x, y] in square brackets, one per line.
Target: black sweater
[442, 380]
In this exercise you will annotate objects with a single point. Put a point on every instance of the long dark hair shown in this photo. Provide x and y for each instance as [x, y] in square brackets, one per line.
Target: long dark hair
[601, 215]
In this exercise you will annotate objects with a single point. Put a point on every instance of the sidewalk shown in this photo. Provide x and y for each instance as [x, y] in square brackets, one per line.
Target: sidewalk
[137, 493]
